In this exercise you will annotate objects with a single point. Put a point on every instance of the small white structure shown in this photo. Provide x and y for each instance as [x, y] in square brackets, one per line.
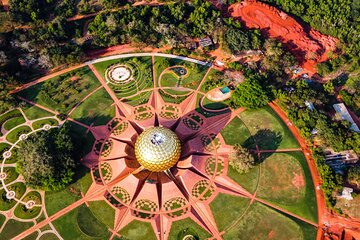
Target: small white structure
[121, 73]
[341, 109]
[310, 105]
[346, 193]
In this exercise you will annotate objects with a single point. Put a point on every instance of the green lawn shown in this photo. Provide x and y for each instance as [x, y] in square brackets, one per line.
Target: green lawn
[13, 228]
[4, 147]
[90, 224]
[96, 109]
[279, 185]
[181, 228]
[213, 80]
[269, 131]
[137, 230]
[261, 222]
[169, 79]
[33, 112]
[6, 116]
[55, 201]
[48, 236]
[13, 158]
[62, 92]
[11, 174]
[82, 138]
[237, 133]
[68, 228]
[2, 220]
[13, 122]
[32, 236]
[14, 135]
[104, 212]
[6, 204]
[40, 123]
[138, 99]
[83, 179]
[227, 209]
[247, 180]
[22, 212]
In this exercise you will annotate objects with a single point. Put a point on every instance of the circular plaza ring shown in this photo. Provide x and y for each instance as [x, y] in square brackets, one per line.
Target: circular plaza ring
[2, 176]
[23, 137]
[47, 127]
[7, 154]
[30, 204]
[119, 74]
[10, 195]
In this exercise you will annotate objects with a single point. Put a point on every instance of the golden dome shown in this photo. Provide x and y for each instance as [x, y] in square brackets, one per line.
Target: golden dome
[157, 149]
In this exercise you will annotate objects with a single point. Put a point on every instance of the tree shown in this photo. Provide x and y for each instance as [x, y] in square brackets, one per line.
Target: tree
[249, 94]
[237, 40]
[276, 59]
[241, 160]
[29, 10]
[353, 176]
[46, 160]
[109, 4]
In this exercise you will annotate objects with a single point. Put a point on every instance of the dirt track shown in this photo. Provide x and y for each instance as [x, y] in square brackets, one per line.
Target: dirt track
[309, 46]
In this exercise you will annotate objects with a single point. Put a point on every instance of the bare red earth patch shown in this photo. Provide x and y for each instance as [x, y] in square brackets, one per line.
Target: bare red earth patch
[298, 181]
[271, 234]
[309, 46]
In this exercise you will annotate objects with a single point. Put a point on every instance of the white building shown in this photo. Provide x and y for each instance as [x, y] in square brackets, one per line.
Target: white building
[346, 193]
[341, 109]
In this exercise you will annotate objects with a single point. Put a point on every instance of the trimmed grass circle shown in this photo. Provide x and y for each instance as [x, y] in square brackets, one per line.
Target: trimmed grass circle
[14, 135]
[22, 212]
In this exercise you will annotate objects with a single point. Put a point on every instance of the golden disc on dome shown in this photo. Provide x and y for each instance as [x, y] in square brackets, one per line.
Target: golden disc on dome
[157, 149]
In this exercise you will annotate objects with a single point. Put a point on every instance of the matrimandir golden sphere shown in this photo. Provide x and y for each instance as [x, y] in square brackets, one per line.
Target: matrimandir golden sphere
[157, 149]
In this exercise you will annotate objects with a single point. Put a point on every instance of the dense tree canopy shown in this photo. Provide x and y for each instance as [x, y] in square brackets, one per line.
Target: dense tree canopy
[330, 181]
[46, 160]
[241, 159]
[250, 94]
[353, 176]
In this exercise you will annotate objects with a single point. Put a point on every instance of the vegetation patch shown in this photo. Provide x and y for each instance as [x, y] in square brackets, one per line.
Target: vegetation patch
[104, 212]
[33, 112]
[261, 222]
[62, 92]
[14, 135]
[9, 115]
[49, 236]
[68, 228]
[248, 180]
[269, 131]
[96, 110]
[138, 230]
[141, 75]
[227, 209]
[22, 212]
[13, 228]
[40, 123]
[286, 181]
[181, 228]
[13, 122]
[11, 174]
[89, 224]
[237, 133]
